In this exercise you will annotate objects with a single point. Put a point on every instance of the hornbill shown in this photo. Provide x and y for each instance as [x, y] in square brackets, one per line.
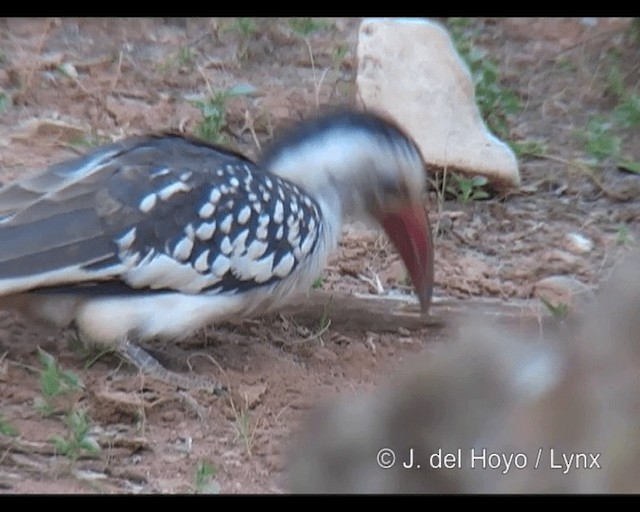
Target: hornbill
[156, 236]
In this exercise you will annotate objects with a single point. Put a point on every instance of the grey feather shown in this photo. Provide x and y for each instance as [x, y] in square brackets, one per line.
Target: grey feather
[68, 226]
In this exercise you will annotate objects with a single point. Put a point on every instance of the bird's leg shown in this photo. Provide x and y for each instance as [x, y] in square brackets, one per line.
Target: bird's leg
[147, 364]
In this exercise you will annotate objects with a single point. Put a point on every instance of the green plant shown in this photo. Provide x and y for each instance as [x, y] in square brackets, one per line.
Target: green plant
[634, 30]
[55, 384]
[566, 63]
[599, 140]
[338, 56]
[467, 189]
[497, 104]
[317, 283]
[214, 113]
[615, 80]
[601, 135]
[246, 29]
[323, 324]
[533, 148]
[185, 57]
[627, 112]
[5, 101]
[6, 428]
[78, 441]
[203, 482]
[89, 141]
[59, 390]
[623, 235]
[629, 165]
[244, 428]
[214, 117]
[325, 320]
[558, 312]
[306, 27]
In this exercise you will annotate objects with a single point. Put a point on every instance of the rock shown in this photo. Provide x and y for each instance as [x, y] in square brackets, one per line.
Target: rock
[457, 398]
[578, 244]
[495, 411]
[252, 395]
[49, 128]
[395, 273]
[117, 406]
[560, 291]
[410, 70]
[4, 370]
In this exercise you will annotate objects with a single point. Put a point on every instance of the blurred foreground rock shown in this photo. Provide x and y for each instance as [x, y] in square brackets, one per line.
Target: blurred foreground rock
[492, 412]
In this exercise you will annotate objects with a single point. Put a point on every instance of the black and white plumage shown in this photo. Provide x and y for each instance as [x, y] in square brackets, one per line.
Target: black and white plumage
[157, 236]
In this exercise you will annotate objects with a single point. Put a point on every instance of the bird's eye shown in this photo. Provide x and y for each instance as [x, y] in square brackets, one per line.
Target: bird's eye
[393, 188]
[389, 187]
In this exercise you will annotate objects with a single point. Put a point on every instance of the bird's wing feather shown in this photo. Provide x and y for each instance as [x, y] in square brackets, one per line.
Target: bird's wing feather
[156, 212]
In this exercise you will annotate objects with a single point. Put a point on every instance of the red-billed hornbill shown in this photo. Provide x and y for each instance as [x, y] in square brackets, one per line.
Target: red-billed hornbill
[160, 235]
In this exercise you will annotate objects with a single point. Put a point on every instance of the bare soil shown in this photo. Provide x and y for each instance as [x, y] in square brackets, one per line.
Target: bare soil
[68, 83]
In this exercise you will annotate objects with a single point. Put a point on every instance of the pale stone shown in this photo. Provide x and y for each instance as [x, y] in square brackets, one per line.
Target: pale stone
[578, 243]
[55, 128]
[252, 395]
[410, 70]
[564, 291]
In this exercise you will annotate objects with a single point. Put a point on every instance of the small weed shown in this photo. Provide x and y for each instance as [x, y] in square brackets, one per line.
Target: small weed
[467, 189]
[339, 54]
[306, 27]
[532, 148]
[78, 442]
[244, 27]
[6, 428]
[627, 112]
[629, 165]
[558, 312]
[623, 235]
[203, 482]
[565, 63]
[55, 384]
[325, 320]
[246, 30]
[598, 139]
[323, 324]
[600, 135]
[497, 104]
[88, 142]
[634, 30]
[5, 101]
[317, 283]
[615, 81]
[244, 428]
[186, 57]
[214, 112]
[214, 117]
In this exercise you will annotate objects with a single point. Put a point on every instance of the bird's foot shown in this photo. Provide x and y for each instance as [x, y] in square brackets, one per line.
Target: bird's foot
[147, 364]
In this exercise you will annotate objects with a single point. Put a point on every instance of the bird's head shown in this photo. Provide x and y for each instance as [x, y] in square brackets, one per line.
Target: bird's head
[369, 168]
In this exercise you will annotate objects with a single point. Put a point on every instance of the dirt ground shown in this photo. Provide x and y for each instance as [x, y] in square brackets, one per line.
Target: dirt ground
[67, 84]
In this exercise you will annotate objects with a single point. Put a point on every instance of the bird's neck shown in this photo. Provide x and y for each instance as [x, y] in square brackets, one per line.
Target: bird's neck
[333, 215]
